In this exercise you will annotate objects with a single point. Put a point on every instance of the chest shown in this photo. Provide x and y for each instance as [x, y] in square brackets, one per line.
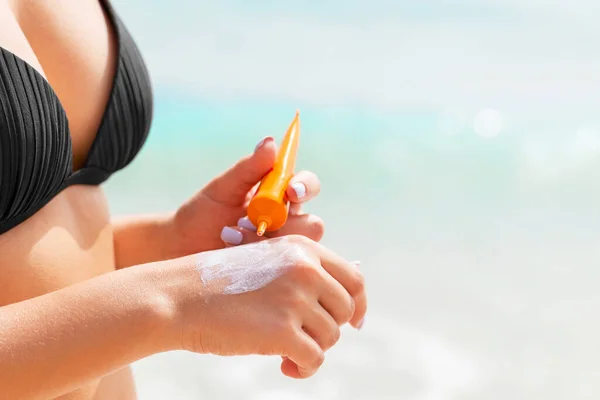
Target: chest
[77, 101]
[75, 44]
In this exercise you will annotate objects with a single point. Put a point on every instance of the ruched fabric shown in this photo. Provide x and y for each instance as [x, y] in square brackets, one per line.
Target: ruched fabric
[36, 160]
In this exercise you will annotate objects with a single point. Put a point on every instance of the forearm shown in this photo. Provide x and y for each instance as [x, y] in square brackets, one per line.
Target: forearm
[55, 343]
[141, 239]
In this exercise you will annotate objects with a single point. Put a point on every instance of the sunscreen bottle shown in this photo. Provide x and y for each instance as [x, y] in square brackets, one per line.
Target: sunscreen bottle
[268, 209]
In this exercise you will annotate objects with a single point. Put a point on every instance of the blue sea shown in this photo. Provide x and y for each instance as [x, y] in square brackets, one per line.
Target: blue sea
[458, 147]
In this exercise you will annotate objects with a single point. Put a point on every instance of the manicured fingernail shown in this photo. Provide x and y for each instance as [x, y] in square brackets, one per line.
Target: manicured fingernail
[361, 324]
[246, 224]
[231, 236]
[299, 189]
[262, 143]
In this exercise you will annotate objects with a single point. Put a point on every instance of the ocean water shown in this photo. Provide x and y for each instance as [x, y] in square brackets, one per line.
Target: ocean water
[479, 243]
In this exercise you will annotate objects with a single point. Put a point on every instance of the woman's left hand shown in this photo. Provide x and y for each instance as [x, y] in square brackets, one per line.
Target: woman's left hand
[216, 216]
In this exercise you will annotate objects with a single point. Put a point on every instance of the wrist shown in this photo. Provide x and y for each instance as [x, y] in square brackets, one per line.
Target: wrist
[179, 295]
[162, 301]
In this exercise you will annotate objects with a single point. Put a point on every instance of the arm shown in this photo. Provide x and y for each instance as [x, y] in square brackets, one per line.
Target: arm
[57, 342]
[141, 239]
[209, 304]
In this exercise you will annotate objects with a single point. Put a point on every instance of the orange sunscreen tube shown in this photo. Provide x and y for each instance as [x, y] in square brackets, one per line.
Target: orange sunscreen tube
[268, 209]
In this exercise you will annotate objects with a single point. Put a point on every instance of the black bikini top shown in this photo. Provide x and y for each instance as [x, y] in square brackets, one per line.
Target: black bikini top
[36, 160]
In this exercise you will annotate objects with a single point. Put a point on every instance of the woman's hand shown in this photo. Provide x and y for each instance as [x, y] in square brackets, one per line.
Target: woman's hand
[199, 224]
[284, 296]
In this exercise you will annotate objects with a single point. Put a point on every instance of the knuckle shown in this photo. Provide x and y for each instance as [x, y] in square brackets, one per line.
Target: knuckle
[348, 311]
[295, 301]
[300, 240]
[318, 359]
[306, 272]
[317, 228]
[357, 284]
[285, 327]
[301, 262]
[352, 308]
[295, 238]
[336, 335]
[332, 338]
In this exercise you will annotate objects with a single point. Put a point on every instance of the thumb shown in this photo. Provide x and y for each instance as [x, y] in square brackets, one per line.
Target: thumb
[232, 186]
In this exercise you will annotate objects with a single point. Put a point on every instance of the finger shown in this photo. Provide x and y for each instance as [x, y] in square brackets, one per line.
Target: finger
[289, 368]
[236, 235]
[356, 321]
[336, 300]
[321, 326]
[295, 209]
[249, 231]
[307, 225]
[348, 275]
[231, 236]
[245, 223]
[303, 186]
[251, 194]
[305, 358]
[232, 186]
[360, 309]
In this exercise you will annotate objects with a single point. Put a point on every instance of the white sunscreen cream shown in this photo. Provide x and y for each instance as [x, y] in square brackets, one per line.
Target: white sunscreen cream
[247, 268]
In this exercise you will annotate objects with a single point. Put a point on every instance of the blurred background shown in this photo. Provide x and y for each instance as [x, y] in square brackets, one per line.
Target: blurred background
[458, 146]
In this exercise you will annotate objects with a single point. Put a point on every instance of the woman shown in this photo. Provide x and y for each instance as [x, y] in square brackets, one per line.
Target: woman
[82, 296]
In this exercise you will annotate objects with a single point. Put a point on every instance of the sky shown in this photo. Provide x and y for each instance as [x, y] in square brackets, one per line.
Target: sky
[380, 54]
[523, 72]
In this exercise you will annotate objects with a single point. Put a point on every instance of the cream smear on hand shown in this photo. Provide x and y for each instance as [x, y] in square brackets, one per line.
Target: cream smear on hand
[247, 268]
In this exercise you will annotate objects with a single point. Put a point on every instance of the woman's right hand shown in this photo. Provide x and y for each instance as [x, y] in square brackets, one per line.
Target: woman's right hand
[286, 296]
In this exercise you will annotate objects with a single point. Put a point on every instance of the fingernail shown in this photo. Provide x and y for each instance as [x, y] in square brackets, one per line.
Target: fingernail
[231, 236]
[360, 324]
[299, 189]
[262, 143]
[246, 224]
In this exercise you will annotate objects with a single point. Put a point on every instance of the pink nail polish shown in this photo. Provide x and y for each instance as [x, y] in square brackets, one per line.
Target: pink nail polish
[262, 143]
